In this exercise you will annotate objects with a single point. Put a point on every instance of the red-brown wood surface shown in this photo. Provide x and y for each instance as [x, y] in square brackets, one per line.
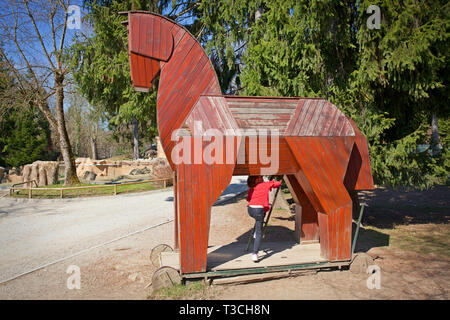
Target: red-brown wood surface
[199, 185]
[322, 181]
[320, 150]
[309, 224]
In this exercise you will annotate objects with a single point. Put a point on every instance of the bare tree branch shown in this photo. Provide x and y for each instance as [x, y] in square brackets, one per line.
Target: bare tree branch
[25, 2]
[63, 36]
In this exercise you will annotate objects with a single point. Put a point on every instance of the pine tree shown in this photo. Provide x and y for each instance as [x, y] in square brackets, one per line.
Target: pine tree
[24, 138]
[389, 80]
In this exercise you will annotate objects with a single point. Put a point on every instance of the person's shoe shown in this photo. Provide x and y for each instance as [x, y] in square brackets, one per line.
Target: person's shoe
[255, 257]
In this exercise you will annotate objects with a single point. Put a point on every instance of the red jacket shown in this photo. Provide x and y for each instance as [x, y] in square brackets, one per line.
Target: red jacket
[259, 195]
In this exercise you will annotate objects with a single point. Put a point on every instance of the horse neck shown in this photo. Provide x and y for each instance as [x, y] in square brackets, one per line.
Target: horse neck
[185, 77]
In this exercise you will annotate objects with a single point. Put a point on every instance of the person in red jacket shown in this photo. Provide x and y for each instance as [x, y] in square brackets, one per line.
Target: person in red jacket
[258, 205]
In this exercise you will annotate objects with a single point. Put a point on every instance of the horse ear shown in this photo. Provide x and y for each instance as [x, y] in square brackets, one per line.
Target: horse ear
[150, 36]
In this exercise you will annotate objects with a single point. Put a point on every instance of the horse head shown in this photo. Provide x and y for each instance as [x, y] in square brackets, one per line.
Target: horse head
[150, 43]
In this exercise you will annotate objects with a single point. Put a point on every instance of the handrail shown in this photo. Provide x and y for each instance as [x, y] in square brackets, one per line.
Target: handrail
[16, 184]
[62, 189]
[13, 187]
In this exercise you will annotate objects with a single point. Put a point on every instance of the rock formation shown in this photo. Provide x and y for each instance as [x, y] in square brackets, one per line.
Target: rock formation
[43, 172]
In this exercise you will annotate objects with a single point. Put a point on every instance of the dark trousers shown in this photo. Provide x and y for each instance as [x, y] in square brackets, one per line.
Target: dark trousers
[257, 214]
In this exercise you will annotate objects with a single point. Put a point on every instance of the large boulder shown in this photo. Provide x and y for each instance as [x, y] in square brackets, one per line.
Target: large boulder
[43, 172]
[89, 175]
[26, 172]
[159, 149]
[161, 169]
[13, 177]
[34, 172]
[42, 178]
[137, 171]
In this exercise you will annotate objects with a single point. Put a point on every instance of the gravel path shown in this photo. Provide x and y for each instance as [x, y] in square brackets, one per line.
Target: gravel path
[37, 232]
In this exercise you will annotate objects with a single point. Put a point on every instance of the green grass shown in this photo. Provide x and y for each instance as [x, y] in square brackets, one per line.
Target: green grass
[180, 291]
[104, 191]
[428, 238]
[423, 238]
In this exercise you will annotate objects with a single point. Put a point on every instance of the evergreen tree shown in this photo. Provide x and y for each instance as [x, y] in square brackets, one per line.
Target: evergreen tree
[389, 80]
[24, 137]
[24, 130]
[101, 66]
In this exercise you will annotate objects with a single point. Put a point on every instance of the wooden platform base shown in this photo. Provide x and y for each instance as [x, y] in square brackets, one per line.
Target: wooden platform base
[233, 255]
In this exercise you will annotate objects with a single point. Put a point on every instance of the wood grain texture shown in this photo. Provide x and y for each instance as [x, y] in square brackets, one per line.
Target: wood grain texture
[321, 179]
[359, 165]
[320, 150]
[150, 36]
[309, 228]
[318, 117]
[199, 186]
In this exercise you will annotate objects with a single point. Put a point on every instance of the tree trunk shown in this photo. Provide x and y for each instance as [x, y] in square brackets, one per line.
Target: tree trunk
[93, 141]
[434, 133]
[66, 150]
[94, 148]
[135, 139]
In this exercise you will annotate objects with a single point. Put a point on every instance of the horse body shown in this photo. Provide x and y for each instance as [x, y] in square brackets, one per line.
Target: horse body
[320, 151]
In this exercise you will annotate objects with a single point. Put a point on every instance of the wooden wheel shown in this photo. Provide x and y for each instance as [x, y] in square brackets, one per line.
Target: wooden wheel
[165, 277]
[156, 253]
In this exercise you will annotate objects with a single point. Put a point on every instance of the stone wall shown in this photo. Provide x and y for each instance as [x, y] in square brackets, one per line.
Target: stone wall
[159, 149]
[89, 169]
[43, 172]
[46, 172]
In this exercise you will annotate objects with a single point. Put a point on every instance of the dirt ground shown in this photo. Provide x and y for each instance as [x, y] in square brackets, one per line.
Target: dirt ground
[407, 233]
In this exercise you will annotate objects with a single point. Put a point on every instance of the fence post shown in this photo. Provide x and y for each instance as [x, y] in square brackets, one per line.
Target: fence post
[30, 193]
[115, 189]
[165, 183]
[61, 193]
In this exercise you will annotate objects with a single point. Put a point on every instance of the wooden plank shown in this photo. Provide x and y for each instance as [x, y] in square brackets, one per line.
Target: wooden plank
[189, 231]
[197, 213]
[331, 188]
[261, 111]
[172, 67]
[324, 179]
[310, 129]
[175, 204]
[181, 75]
[306, 109]
[181, 105]
[363, 169]
[234, 256]
[195, 218]
[318, 118]
[329, 117]
[310, 177]
[182, 216]
[149, 35]
[308, 222]
[261, 277]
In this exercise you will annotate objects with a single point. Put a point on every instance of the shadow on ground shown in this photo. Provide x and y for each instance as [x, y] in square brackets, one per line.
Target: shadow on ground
[388, 208]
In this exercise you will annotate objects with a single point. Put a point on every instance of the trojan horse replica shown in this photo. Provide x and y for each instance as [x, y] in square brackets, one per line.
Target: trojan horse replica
[322, 154]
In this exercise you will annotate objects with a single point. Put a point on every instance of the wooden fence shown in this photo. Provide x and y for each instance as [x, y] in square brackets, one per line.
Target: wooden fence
[62, 189]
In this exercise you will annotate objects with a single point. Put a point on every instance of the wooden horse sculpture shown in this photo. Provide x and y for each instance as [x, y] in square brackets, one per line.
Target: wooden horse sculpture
[320, 151]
